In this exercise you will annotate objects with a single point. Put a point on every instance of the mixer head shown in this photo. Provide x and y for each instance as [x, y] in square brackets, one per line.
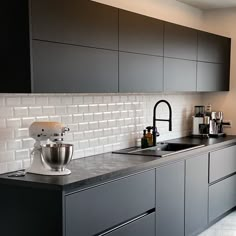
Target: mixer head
[44, 130]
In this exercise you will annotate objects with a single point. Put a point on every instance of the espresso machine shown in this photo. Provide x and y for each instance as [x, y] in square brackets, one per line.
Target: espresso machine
[216, 124]
[50, 155]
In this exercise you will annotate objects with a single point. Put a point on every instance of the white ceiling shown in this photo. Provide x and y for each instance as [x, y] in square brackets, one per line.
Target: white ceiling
[210, 4]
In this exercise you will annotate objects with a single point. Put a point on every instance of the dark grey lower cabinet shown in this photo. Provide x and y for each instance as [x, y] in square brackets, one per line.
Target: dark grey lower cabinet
[222, 197]
[141, 227]
[98, 209]
[196, 194]
[63, 68]
[170, 200]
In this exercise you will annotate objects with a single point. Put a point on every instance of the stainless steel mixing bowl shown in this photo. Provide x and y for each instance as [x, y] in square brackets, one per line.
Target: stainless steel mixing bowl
[57, 156]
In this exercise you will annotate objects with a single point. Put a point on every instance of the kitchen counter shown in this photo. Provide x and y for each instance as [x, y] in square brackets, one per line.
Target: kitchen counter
[101, 168]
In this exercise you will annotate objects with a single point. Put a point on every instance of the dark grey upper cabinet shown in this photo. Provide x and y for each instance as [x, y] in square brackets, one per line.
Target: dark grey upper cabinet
[140, 34]
[80, 22]
[140, 73]
[15, 49]
[213, 48]
[180, 42]
[179, 75]
[170, 200]
[63, 68]
[196, 194]
[212, 77]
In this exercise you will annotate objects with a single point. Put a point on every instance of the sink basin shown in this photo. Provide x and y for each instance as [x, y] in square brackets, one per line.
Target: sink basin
[160, 150]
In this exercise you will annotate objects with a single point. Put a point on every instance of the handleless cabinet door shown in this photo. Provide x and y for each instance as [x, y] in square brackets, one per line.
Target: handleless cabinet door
[140, 73]
[212, 77]
[213, 48]
[79, 22]
[180, 42]
[63, 68]
[103, 207]
[222, 197]
[140, 34]
[144, 226]
[15, 50]
[196, 194]
[179, 75]
[170, 200]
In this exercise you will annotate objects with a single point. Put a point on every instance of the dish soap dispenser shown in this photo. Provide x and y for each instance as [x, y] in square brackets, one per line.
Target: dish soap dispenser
[149, 136]
[144, 142]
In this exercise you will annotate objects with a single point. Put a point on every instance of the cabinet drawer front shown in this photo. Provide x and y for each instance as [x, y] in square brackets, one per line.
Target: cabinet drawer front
[222, 163]
[144, 226]
[222, 197]
[97, 209]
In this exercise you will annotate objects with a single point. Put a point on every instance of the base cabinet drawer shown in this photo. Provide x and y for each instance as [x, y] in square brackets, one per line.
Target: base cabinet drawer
[222, 163]
[144, 226]
[222, 197]
[95, 210]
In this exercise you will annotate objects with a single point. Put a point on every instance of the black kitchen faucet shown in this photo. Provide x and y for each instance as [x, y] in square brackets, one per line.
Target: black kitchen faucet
[155, 132]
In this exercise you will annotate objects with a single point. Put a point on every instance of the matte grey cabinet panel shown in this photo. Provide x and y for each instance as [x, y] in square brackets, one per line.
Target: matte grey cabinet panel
[63, 68]
[170, 200]
[196, 194]
[213, 48]
[140, 34]
[140, 73]
[180, 42]
[222, 163]
[222, 197]
[97, 209]
[179, 75]
[212, 77]
[142, 227]
[80, 22]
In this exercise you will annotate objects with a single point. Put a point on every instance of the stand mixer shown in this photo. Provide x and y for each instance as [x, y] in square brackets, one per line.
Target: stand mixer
[49, 159]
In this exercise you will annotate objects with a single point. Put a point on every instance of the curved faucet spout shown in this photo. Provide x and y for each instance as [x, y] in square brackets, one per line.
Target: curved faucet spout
[155, 119]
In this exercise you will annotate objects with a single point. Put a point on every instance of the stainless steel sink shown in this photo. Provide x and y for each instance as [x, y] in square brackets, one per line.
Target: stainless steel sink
[160, 150]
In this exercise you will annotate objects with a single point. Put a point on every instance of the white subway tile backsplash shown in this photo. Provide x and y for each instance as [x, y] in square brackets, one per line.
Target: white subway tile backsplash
[14, 165]
[88, 117]
[49, 110]
[72, 109]
[88, 99]
[66, 119]
[20, 111]
[83, 108]
[78, 100]
[14, 144]
[22, 133]
[3, 123]
[54, 100]
[6, 134]
[6, 112]
[35, 111]
[13, 101]
[41, 100]
[14, 123]
[66, 100]
[7, 156]
[99, 123]
[22, 154]
[28, 101]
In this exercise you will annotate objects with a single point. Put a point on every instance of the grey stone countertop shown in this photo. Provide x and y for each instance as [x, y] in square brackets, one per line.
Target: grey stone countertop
[93, 170]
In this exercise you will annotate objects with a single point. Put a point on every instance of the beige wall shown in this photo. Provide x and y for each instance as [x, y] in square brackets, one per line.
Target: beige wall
[223, 22]
[168, 10]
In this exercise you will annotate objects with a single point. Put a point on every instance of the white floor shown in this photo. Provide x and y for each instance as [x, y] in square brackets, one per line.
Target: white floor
[224, 227]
